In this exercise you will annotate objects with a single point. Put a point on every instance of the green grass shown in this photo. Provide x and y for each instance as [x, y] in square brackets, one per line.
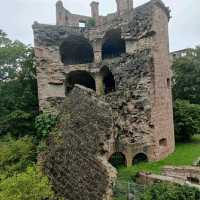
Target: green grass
[185, 154]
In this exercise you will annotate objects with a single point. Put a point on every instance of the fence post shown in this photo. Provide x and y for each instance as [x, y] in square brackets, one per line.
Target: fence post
[128, 190]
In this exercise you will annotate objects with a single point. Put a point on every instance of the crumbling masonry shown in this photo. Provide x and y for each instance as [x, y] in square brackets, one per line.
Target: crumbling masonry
[110, 78]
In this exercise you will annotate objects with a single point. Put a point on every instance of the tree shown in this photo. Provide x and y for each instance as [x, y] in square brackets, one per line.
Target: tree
[186, 78]
[18, 88]
[11, 54]
[186, 92]
[187, 119]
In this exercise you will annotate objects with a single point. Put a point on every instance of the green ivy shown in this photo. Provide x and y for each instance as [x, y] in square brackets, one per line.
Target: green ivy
[44, 123]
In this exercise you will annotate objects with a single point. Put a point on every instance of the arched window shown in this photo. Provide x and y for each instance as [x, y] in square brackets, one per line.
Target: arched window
[81, 78]
[108, 80]
[117, 159]
[141, 157]
[76, 50]
[113, 45]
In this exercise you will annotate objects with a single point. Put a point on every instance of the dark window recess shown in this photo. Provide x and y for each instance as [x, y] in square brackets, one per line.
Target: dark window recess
[117, 159]
[113, 45]
[108, 80]
[76, 50]
[163, 142]
[168, 82]
[79, 77]
[139, 158]
[194, 180]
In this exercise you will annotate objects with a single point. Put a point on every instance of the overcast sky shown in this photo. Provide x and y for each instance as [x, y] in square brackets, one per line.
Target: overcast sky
[17, 17]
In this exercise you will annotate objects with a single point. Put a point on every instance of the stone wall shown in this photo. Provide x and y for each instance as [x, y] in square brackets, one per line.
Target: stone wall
[131, 104]
[186, 173]
[148, 179]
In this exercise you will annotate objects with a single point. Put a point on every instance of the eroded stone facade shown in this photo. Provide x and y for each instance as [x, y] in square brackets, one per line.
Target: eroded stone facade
[123, 59]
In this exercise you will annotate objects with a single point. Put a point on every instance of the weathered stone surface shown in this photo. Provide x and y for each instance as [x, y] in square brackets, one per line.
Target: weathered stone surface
[185, 173]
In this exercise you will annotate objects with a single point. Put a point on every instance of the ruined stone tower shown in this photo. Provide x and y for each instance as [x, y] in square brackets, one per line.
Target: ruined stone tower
[110, 78]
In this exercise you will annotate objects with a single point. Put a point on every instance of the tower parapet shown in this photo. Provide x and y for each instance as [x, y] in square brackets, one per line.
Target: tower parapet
[124, 6]
[94, 9]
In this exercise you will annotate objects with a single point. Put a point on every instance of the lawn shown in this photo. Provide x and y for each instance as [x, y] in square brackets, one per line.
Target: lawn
[185, 154]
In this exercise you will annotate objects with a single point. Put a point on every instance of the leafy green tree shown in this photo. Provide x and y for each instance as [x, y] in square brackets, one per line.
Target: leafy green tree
[28, 185]
[187, 120]
[186, 78]
[18, 88]
[186, 92]
[11, 54]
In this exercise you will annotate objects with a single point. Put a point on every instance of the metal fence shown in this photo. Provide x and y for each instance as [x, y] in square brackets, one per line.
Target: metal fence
[127, 190]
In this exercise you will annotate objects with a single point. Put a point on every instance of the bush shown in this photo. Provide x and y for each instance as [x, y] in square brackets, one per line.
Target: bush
[16, 155]
[187, 120]
[44, 124]
[163, 191]
[29, 185]
[17, 123]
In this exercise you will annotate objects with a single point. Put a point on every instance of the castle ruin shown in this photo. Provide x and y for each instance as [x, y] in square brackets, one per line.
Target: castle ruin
[110, 78]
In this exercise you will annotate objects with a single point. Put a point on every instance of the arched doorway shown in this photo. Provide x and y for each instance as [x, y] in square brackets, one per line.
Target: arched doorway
[139, 158]
[108, 80]
[79, 77]
[76, 50]
[117, 160]
[113, 45]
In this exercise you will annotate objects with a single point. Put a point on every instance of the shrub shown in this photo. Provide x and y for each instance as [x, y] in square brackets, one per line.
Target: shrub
[17, 123]
[16, 155]
[44, 124]
[187, 120]
[29, 185]
[164, 191]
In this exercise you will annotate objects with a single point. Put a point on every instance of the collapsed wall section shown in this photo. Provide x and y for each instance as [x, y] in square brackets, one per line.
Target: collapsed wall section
[76, 163]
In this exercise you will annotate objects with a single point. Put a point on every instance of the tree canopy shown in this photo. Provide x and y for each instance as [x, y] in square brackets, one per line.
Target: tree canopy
[186, 77]
[186, 94]
[18, 87]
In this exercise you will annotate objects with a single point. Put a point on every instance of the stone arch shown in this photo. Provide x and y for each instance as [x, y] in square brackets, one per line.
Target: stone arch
[76, 49]
[108, 80]
[140, 157]
[79, 77]
[117, 159]
[113, 44]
